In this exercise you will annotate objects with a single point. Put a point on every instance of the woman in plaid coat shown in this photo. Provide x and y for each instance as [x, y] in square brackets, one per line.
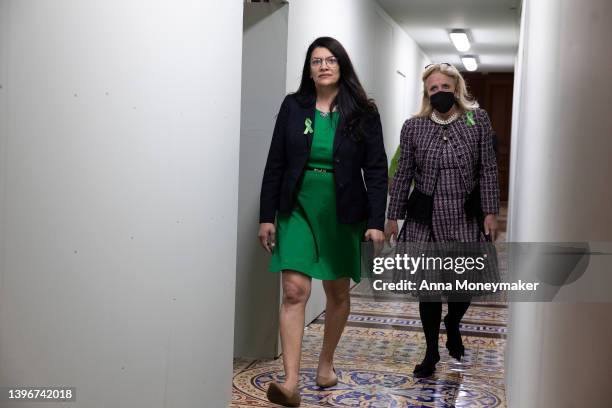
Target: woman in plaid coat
[446, 149]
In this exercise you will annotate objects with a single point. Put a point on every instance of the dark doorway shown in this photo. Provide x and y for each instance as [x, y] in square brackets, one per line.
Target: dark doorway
[494, 94]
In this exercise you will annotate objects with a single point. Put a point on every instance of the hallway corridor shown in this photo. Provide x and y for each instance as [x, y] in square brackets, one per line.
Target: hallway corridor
[379, 348]
[134, 145]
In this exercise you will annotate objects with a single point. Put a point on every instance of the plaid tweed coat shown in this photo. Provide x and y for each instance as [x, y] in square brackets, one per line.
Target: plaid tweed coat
[450, 160]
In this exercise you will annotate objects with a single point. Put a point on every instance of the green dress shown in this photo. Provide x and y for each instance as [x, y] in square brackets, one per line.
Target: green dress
[310, 240]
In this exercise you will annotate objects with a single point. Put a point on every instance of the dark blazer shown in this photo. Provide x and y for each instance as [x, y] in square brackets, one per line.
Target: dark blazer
[357, 197]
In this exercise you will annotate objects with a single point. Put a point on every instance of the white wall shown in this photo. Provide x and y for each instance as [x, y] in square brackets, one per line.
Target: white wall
[119, 139]
[378, 48]
[264, 59]
[559, 355]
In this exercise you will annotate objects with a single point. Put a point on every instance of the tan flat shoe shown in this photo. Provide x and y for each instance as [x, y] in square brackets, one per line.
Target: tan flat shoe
[281, 396]
[326, 383]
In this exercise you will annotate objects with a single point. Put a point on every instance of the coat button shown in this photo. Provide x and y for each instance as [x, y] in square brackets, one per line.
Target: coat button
[341, 185]
[337, 160]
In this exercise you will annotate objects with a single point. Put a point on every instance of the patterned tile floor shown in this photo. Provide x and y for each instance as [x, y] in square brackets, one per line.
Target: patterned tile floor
[380, 346]
[374, 360]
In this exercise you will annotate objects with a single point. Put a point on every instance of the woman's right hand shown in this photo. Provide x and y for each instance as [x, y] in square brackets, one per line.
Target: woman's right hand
[391, 230]
[267, 235]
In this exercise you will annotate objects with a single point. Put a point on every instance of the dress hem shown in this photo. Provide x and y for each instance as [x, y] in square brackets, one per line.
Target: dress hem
[300, 270]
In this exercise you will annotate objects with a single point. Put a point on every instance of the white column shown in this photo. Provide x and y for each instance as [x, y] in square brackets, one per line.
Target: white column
[559, 355]
[264, 64]
[119, 136]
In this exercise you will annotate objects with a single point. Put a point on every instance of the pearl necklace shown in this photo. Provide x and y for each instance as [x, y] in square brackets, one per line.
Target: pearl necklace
[439, 121]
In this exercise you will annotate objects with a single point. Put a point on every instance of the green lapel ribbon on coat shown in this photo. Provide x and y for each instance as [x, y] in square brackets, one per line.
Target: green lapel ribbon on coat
[469, 118]
[308, 128]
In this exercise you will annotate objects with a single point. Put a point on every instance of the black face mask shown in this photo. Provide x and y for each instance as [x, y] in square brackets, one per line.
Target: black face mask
[442, 101]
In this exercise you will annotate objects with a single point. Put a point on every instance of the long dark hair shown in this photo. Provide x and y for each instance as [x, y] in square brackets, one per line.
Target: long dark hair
[352, 101]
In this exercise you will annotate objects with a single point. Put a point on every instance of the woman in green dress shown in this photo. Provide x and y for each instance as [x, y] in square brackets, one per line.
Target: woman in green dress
[324, 191]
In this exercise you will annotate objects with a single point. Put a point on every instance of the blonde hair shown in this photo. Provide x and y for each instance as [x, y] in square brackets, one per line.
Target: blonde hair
[464, 100]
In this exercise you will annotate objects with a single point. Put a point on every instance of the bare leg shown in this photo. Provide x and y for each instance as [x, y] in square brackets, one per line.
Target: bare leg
[296, 291]
[337, 311]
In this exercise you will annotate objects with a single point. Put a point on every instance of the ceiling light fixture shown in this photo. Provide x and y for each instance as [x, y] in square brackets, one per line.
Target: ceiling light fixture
[460, 40]
[469, 62]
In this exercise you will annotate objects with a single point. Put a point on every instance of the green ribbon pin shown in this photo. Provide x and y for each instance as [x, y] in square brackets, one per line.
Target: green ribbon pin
[308, 124]
[469, 118]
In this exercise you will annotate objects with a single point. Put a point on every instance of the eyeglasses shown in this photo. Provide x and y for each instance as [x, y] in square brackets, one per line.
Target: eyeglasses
[438, 63]
[330, 61]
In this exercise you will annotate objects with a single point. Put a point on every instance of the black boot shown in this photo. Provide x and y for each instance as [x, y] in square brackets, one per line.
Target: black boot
[430, 317]
[452, 320]
[427, 366]
[454, 344]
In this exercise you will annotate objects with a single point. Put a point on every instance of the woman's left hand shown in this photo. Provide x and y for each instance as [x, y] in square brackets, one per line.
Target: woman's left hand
[490, 226]
[377, 237]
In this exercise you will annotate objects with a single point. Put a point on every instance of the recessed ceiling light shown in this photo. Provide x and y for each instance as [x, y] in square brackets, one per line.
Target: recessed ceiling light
[469, 62]
[460, 40]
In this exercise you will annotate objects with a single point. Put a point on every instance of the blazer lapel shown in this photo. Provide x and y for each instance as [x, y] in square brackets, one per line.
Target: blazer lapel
[463, 151]
[340, 135]
[308, 132]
